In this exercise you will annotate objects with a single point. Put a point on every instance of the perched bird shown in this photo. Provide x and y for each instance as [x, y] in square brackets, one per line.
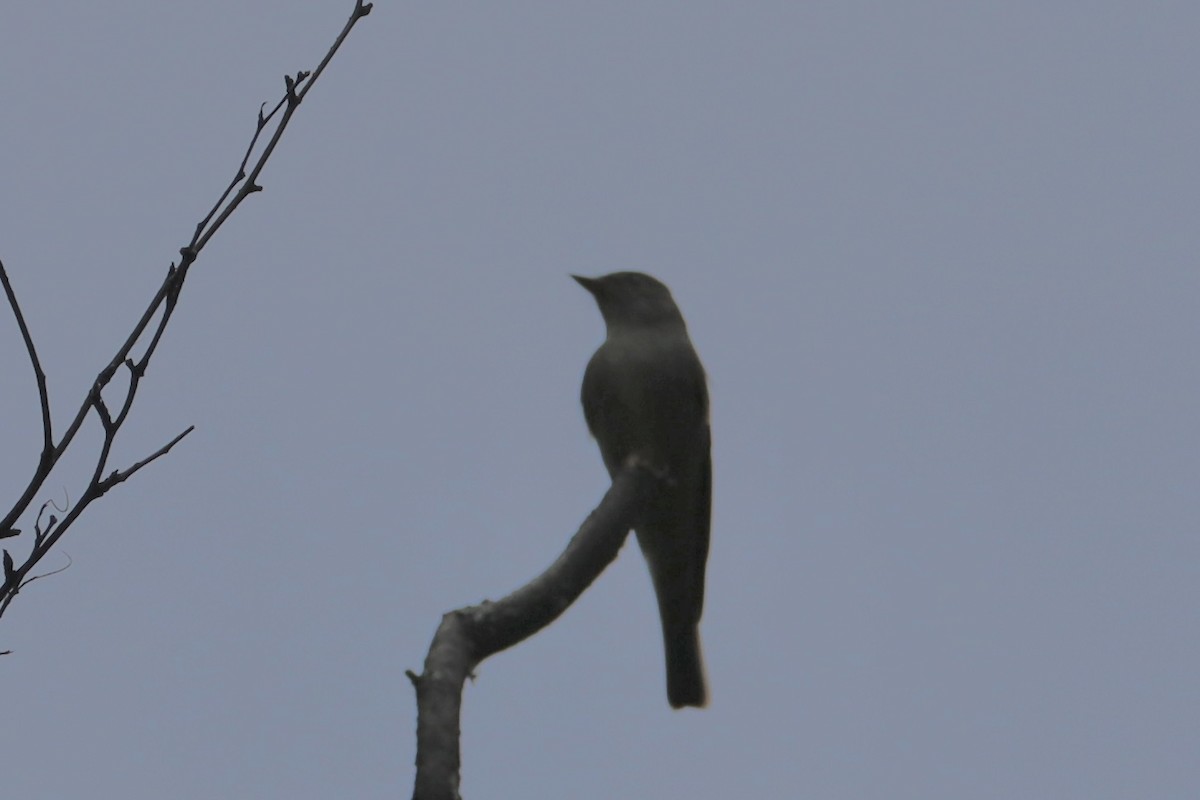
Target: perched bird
[644, 395]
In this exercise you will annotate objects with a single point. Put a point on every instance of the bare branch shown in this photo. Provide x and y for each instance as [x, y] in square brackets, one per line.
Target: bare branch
[162, 307]
[469, 635]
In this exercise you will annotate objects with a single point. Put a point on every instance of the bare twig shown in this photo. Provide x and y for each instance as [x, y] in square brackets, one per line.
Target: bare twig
[38, 533]
[469, 635]
[39, 376]
[63, 568]
[121, 475]
[162, 307]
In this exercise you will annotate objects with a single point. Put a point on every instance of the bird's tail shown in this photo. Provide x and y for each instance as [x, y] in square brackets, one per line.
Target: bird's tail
[685, 666]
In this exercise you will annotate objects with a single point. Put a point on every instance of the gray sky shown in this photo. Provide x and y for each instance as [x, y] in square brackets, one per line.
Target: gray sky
[939, 260]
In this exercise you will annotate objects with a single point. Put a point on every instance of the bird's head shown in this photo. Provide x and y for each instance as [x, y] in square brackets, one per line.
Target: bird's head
[632, 298]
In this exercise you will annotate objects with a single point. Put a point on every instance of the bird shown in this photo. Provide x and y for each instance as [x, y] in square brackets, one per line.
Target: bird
[645, 397]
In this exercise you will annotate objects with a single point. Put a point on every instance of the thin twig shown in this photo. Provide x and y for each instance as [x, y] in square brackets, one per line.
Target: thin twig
[46, 456]
[63, 568]
[39, 375]
[122, 475]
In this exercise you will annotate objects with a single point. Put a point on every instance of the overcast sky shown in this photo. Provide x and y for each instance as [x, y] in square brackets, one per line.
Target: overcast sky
[939, 259]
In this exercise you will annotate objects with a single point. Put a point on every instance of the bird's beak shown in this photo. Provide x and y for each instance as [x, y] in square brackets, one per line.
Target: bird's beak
[591, 284]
